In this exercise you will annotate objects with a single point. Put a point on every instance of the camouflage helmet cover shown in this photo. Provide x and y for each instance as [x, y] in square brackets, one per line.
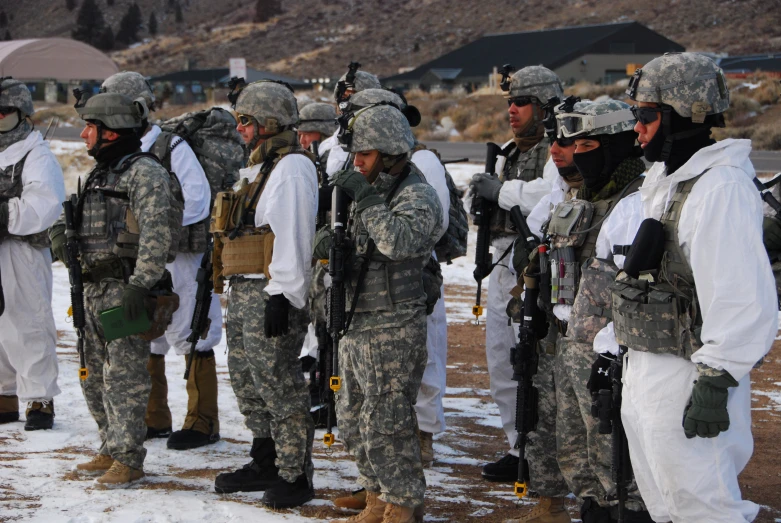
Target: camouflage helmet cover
[319, 118]
[131, 84]
[363, 81]
[272, 104]
[375, 96]
[14, 93]
[114, 110]
[692, 84]
[537, 81]
[591, 118]
[380, 127]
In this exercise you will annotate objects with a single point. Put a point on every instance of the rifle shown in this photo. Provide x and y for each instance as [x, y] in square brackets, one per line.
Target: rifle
[455, 161]
[336, 299]
[76, 282]
[524, 360]
[322, 178]
[481, 212]
[200, 324]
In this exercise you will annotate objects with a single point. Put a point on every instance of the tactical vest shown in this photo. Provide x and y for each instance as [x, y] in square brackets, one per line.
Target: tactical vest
[251, 249]
[526, 166]
[106, 223]
[387, 282]
[571, 249]
[193, 238]
[11, 187]
[661, 315]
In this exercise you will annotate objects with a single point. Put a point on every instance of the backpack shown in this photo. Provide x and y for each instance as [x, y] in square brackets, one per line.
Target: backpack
[452, 244]
[213, 137]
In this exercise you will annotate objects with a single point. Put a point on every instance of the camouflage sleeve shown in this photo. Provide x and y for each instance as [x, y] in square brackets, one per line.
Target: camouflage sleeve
[410, 226]
[150, 199]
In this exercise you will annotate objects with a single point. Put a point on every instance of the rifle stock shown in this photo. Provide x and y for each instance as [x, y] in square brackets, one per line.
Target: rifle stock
[481, 213]
[76, 282]
[200, 324]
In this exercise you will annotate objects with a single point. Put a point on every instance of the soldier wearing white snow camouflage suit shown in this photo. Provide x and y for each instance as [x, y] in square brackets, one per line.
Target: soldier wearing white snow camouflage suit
[201, 425]
[31, 194]
[686, 404]
[521, 183]
[264, 230]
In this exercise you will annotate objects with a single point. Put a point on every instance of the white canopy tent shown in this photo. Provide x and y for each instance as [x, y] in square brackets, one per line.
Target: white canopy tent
[59, 59]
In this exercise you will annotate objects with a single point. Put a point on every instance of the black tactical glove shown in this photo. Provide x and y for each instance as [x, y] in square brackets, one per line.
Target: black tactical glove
[276, 316]
[486, 186]
[358, 189]
[706, 414]
[771, 233]
[58, 239]
[134, 301]
[3, 219]
[600, 374]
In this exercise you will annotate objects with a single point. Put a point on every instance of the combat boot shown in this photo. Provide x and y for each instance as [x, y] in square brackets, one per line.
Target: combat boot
[426, 447]
[256, 476]
[548, 510]
[158, 415]
[119, 476]
[355, 501]
[9, 409]
[373, 512]
[636, 516]
[592, 512]
[504, 470]
[286, 494]
[201, 425]
[97, 465]
[399, 514]
[40, 415]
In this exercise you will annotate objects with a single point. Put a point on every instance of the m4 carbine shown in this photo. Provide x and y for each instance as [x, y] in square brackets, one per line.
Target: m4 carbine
[76, 281]
[481, 213]
[201, 323]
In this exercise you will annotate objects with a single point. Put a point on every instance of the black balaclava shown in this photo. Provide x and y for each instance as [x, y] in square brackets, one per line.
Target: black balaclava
[597, 166]
[678, 138]
[127, 143]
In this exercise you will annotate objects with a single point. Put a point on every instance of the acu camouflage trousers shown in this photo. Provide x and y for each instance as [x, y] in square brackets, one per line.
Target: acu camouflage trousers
[381, 371]
[117, 389]
[267, 378]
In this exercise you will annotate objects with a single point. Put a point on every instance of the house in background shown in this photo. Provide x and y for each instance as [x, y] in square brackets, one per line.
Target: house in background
[593, 53]
[743, 66]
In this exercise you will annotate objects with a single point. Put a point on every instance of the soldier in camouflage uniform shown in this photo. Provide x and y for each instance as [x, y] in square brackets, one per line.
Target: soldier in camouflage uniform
[607, 161]
[31, 191]
[395, 222]
[263, 245]
[521, 183]
[132, 191]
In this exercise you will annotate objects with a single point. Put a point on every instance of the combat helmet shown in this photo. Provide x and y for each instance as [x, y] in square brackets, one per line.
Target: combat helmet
[380, 127]
[113, 110]
[537, 81]
[692, 84]
[383, 95]
[319, 118]
[14, 93]
[270, 103]
[131, 84]
[595, 118]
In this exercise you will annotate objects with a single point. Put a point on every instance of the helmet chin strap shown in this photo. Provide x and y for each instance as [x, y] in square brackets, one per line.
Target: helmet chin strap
[93, 151]
[670, 137]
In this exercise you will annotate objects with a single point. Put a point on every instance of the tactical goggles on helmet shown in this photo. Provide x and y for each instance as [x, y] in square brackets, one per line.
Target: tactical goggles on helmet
[245, 120]
[645, 115]
[572, 125]
[521, 101]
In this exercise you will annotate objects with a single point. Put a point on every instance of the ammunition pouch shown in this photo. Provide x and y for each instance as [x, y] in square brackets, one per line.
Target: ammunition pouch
[161, 304]
[565, 275]
[592, 308]
[194, 238]
[654, 318]
[249, 253]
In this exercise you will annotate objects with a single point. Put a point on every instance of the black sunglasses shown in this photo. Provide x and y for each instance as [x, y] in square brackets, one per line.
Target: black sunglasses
[520, 101]
[564, 142]
[5, 111]
[645, 115]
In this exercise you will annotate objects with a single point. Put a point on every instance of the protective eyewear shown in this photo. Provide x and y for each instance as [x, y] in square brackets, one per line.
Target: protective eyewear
[5, 111]
[571, 125]
[564, 142]
[645, 115]
[245, 120]
[521, 101]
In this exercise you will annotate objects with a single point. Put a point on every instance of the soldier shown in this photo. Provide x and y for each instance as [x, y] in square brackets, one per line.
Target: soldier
[429, 408]
[607, 162]
[396, 220]
[31, 191]
[265, 249]
[121, 265]
[521, 183]
[318, 124]
[201, 424]
[686, 402]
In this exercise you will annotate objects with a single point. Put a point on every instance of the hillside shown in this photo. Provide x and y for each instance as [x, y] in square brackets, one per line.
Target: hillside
[310, 39]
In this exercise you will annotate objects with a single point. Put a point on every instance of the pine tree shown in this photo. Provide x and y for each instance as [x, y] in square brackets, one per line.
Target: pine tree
[106, 42]
[3, 19]
[152, 24]
[130, 25]
[265, 10]
[178, 14]
[89, 24]
[70, 5]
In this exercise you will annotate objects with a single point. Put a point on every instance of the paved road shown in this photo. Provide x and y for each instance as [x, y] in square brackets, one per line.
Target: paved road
[764, 161]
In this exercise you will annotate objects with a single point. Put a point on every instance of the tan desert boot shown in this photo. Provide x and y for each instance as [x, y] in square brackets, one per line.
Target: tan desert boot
[399, 514]
[373, 513]
[99, 464]
[119, 476]
[202, 413]
[548, 510]
[355, 501]
[158, 415]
